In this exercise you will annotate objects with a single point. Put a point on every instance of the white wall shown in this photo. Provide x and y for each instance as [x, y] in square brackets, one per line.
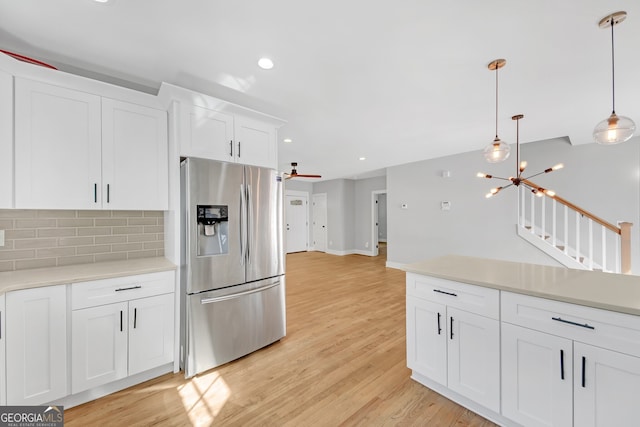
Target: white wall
[340, 213]
[602, 180]
[382, 216]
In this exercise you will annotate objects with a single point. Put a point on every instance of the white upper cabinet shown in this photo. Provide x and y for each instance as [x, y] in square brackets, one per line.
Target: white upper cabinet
[3, 339]
[57, 147]
[255, 142]
[76, 150]
[134, 157]
[217, 135]
[6, 140]
[207, 134]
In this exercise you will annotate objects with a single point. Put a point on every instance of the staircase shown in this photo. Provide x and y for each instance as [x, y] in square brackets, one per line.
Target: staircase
[572, 236]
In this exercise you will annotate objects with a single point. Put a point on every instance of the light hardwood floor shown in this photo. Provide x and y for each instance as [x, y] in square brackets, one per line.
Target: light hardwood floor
[342, 363]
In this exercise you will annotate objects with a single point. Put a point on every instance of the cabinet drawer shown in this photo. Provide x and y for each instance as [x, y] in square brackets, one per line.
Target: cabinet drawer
[107, 291]
[602, 328]
[471, 298]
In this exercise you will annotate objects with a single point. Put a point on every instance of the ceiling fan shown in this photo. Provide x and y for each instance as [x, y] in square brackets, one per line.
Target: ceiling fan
[294, 173]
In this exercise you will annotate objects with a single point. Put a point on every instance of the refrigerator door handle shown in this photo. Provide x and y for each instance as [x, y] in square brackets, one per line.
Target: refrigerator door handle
[249, 222]
[239, 294]
[243, 227]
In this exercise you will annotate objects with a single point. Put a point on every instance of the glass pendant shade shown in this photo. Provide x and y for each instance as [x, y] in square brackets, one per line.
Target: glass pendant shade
[496, 152]
[614, 130]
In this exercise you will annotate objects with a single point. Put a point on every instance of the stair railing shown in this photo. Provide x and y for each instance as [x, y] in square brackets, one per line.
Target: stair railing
[566, 237]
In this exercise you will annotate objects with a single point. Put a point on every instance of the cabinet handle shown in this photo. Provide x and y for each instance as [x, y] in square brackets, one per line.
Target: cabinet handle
[135, 317]
[446, 293]
[582, 325]
[439, 328]
[584, 363]
[95, 193]
[238, 149]
[451, 328]
[562, 364]
[107, 193]
[128, 289]
[120, 320]
[230, 148]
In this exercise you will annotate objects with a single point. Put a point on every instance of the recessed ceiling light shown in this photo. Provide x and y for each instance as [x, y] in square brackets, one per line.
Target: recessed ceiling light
[101, 1]
[363, 158]
[265, 63]
[287, 140]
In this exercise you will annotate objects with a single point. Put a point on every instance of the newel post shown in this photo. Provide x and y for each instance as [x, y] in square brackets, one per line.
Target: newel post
[625, 247]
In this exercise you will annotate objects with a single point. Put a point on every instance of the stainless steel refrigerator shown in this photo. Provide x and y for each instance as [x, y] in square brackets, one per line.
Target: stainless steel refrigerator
[232, 269]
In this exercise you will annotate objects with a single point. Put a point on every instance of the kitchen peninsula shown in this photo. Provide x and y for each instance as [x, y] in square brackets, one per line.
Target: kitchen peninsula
[525, 344]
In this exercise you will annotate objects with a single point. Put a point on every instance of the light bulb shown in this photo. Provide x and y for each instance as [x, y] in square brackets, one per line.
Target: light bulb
[523, 165]
[614, 130]
[496, 152]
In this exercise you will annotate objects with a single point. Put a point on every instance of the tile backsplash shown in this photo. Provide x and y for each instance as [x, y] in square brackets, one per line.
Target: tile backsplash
[48, 238]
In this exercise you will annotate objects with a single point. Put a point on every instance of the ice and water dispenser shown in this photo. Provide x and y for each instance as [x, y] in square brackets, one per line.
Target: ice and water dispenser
[213, 229]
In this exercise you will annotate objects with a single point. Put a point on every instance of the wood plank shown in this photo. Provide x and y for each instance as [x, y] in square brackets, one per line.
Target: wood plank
[343, 362]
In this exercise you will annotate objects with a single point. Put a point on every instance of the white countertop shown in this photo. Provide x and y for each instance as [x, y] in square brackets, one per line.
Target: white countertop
[38, 277]
[615, 292]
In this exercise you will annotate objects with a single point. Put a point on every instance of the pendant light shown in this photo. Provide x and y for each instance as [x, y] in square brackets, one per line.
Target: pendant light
[497, 151]
[517, 179]
[615, 128]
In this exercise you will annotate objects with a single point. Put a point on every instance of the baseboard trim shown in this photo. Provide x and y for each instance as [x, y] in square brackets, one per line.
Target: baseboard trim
[340, 253]
[396, 265]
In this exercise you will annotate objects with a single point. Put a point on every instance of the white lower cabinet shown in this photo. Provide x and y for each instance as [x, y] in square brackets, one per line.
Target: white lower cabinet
[36, 345]
[454, 347]
[537, 377]
[606, 387]
[119, 339]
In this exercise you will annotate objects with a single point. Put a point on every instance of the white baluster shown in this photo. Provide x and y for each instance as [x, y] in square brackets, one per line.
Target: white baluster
[590, 244]
[533, 213]
[543, 217]
[618, 260]
[553, 223]
[566, 230]
[604, 248]
[578, 236]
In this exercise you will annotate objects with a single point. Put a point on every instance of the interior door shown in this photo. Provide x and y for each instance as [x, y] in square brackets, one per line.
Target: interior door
[320, 222]
[296, 222]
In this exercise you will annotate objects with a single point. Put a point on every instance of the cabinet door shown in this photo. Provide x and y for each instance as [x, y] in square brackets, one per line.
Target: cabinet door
[150, 332]
[36, 345]
[537, 377]
[99, 346]
[474, 357]
[427, 339]
[3, 338]
[134, 157]
[606, 387]
[207, 134]
[255, 143]
[57, 147]
[6, 140]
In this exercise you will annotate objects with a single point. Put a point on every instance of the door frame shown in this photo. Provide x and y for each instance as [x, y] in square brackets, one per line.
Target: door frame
[374, 227]
[296, 193]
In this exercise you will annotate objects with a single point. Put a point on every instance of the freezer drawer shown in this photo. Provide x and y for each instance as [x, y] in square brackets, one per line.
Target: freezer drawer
[229, 323]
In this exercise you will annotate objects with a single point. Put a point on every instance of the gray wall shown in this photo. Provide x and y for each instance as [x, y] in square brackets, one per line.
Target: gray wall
[602, 180]
[362, 215]
[340, 213]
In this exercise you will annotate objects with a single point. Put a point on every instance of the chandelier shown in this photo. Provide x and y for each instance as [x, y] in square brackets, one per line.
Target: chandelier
[518, 180]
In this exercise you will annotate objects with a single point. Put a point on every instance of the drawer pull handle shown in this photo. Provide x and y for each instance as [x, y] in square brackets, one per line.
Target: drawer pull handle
[446, 293]
[582, 325]
[451, 328]
[562, 364]
[584, 363]
[128, 289]
[439, 328]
